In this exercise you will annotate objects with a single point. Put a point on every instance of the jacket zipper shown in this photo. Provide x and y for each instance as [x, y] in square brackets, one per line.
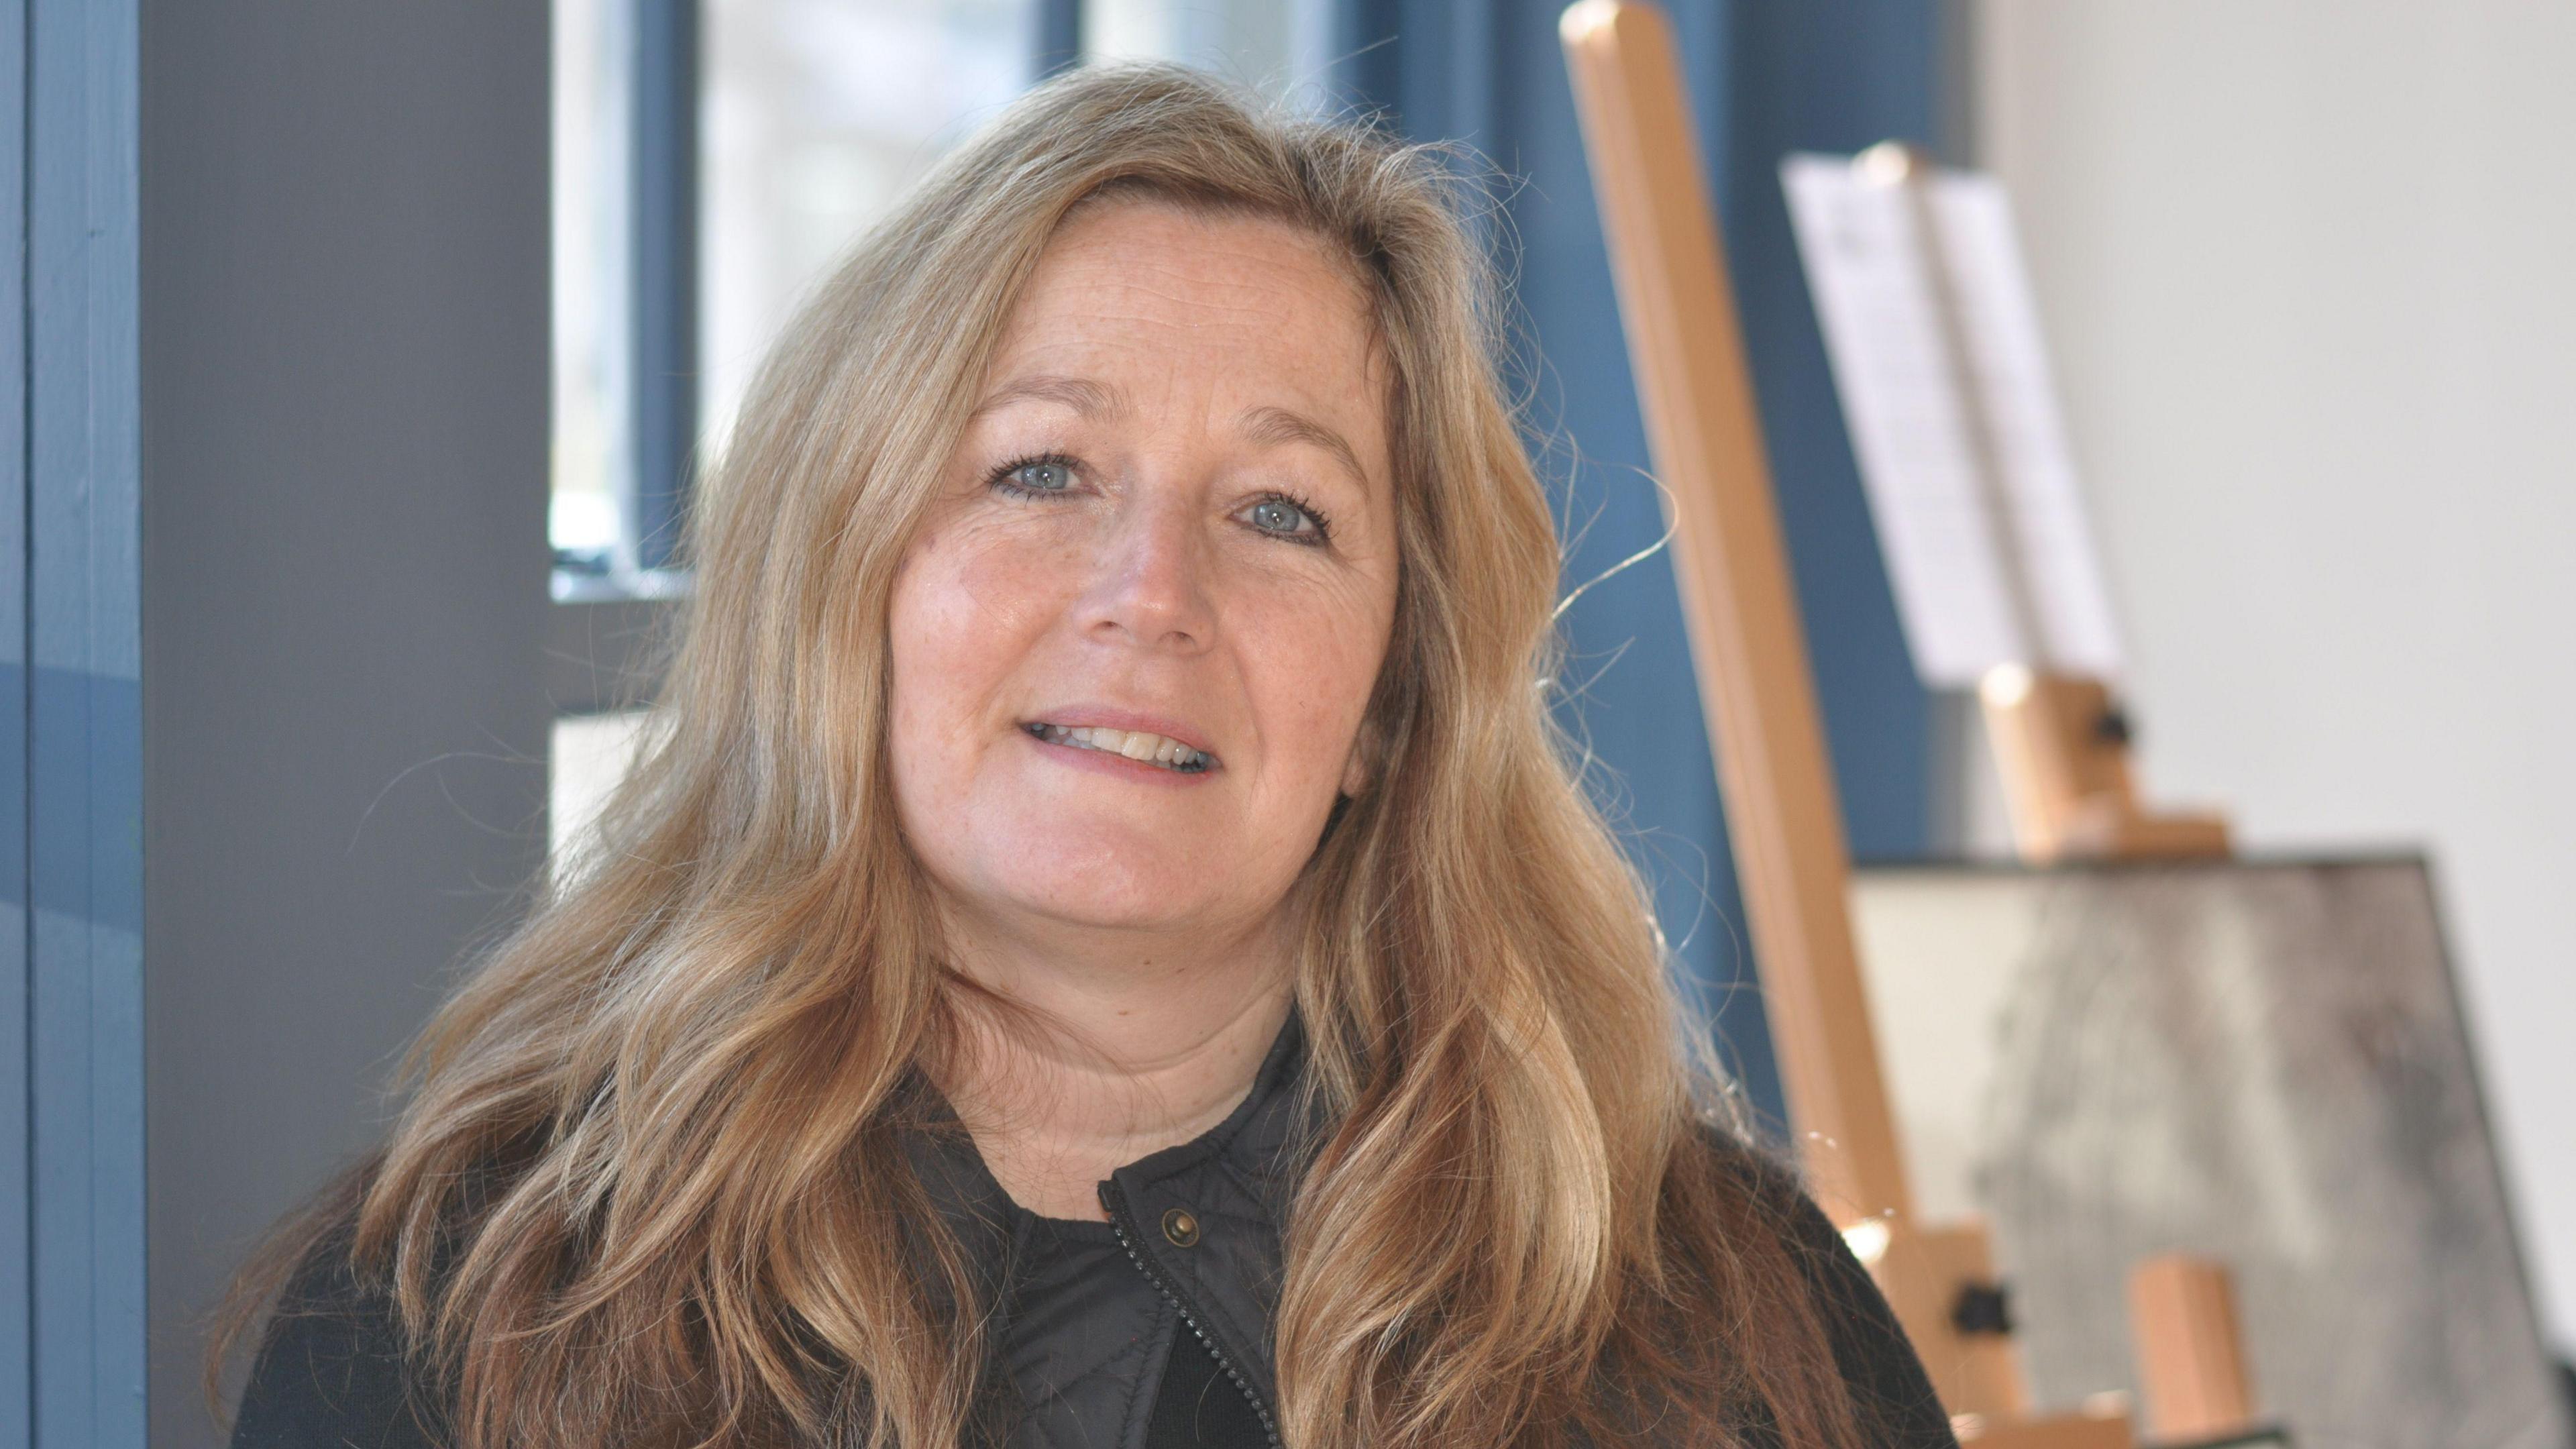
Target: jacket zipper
[1118, 1222]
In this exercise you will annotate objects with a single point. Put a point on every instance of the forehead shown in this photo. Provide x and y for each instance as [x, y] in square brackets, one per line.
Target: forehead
[1219, 302]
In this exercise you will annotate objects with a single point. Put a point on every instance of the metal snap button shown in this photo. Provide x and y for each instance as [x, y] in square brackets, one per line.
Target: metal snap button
[1180, 1227]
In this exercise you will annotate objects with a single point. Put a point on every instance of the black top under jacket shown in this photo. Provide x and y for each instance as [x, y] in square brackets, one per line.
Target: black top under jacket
[1149, 1331]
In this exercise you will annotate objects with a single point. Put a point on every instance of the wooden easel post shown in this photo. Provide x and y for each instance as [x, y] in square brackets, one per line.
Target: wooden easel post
[2191, 1360]
[1781, 814]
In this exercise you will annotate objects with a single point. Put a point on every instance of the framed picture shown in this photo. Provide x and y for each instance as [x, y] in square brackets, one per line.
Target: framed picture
[2259, 1062]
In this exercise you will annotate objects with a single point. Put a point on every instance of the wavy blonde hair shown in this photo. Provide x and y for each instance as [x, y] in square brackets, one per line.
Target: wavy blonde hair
[650, 1185]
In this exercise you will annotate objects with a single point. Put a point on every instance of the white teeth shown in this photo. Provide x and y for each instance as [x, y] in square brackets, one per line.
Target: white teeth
[1137, 745]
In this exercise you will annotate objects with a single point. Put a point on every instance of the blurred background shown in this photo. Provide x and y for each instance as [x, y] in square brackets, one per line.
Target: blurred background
[371, 352]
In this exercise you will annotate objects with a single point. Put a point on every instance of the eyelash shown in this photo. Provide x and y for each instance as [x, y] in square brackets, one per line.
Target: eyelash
[1000, 479]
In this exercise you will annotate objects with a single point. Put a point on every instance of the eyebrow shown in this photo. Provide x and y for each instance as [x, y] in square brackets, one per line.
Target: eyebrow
[1091, 399]
[1270, 425]
[1279, 425]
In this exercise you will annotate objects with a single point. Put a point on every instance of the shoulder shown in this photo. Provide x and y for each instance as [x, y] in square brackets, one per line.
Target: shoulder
[333, 1371]
[1892, 1399]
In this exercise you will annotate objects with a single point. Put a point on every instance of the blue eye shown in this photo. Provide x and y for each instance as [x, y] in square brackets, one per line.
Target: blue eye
[1286, 518]
[1038, 475]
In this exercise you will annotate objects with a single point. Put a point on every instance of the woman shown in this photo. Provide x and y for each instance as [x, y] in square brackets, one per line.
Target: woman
[1105, 947]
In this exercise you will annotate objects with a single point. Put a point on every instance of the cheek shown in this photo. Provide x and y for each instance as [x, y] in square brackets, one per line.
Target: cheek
[1312, 680]
[965, 612]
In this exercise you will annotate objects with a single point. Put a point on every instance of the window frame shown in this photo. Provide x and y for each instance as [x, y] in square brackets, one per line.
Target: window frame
[604, 634]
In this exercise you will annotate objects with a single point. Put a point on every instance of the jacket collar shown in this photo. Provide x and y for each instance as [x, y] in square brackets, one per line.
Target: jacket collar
[1232, 1185]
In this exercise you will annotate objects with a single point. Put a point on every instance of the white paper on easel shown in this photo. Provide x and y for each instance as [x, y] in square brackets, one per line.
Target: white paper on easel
[1937, 355]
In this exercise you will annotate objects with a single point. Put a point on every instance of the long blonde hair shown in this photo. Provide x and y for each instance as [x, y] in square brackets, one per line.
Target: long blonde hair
[650, 1187]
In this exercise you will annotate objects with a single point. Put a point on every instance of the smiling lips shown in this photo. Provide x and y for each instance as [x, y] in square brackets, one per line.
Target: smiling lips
[1137, 745]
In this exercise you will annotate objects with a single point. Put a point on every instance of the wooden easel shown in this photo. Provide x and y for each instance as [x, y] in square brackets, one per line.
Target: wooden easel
[1782, 817]
[2060, 742]
[2062, 748]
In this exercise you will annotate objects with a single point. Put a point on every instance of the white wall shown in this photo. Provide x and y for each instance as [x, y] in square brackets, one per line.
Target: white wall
[2309, 270]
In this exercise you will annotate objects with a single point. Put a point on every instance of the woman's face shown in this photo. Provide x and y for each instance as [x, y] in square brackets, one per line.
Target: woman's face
[1134, 638]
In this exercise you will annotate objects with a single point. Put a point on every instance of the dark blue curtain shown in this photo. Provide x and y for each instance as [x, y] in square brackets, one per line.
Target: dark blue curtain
[1766, 77]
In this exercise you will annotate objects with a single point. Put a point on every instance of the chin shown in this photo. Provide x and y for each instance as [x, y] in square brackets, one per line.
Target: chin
[1118, 906]
[1108, 875]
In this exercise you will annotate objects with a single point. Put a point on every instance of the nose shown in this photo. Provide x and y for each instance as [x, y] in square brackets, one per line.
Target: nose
[1151, 584]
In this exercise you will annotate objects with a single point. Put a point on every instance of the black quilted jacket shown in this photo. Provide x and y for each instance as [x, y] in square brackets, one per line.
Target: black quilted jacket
[1149, 1331]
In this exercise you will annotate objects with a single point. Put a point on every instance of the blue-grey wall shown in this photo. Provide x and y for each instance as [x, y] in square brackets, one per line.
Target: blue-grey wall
[71, 1327]
[1766, 77]
[343, 284]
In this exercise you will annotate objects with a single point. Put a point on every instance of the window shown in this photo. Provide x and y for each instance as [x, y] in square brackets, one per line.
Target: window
[712, 160]
[589, 268]
[1281, 47]
[817, 114]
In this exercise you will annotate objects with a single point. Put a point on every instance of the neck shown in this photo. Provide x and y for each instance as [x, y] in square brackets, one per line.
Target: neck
[1104, 1048]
